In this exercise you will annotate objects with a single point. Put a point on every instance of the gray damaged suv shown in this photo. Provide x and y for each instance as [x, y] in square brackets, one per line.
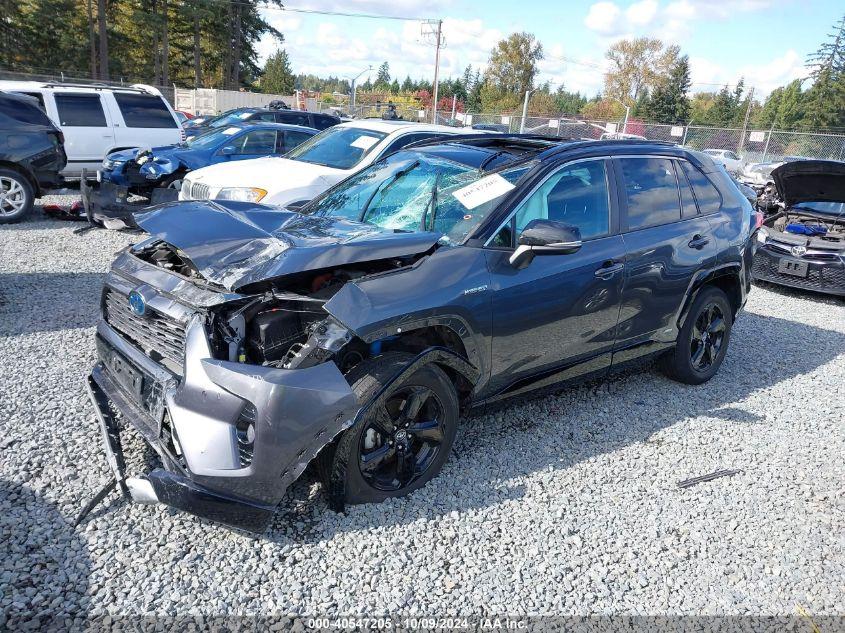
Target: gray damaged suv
[244, 342]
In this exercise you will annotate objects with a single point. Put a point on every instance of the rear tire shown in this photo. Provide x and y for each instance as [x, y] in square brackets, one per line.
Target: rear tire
[16, 196]
[394, 451]
[703, 340]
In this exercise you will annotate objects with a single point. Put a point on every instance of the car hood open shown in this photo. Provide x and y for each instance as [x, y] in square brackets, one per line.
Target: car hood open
[237, 244]
[810, 181]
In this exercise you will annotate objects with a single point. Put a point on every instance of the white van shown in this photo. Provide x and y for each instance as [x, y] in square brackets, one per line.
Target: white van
[99, 119]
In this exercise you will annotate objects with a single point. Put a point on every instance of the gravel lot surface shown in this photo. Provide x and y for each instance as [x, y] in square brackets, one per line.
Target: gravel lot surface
[566, 504]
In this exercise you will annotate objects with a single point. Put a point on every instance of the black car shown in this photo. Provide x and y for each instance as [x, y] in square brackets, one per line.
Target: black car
[802, 245]
[31, 155]
[245, 342]
[316, 120]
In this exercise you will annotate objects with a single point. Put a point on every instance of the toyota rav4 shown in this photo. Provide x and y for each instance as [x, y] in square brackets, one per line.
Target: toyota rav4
[244, 342]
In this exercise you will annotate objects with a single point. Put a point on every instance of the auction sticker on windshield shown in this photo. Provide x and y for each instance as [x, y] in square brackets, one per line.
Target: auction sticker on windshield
[364, 142]
[230, 130]
[482, 191]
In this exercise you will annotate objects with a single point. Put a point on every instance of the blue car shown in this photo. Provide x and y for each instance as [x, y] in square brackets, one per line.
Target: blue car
[142, 170]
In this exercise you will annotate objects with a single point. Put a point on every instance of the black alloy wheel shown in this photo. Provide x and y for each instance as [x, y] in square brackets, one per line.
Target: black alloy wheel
[403, 439]
[708, 335]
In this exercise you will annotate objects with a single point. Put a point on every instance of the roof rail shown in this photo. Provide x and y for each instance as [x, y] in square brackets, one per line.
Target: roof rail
[94, 86]
[528, 140]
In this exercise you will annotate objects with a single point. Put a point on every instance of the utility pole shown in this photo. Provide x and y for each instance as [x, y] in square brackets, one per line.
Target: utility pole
[437, 31]
[745, 123]
[528, 94]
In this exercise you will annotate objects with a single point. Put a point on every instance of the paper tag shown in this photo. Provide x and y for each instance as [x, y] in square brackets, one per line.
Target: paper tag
[364, 142]
[482, 191]
[230, 130]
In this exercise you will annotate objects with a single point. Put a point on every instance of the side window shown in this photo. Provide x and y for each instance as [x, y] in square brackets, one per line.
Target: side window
[257, 142]
[708, 197]
[269, 117]
[688, 206]
[140, 110]
[38, 96]
[321, 121]
[23, 111]
[292, 118]
[80, 110]
[289, 140]
[577, 194]
[651, 190]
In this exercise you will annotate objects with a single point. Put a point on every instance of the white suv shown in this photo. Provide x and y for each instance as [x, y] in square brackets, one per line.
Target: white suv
[97, 120]
[308, 170]
[732, 162]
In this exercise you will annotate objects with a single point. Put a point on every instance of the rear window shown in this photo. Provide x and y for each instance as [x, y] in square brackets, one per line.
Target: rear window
[652, 192]
[709, 200]
[80, 110]
[144, 110]
[293, 118]
[23, 112]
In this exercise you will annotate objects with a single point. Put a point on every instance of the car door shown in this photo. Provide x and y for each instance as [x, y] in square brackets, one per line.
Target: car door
[667, 242]
[289, 139]
[87, 127]
[250, 144]
[558, 315]
[142, 120]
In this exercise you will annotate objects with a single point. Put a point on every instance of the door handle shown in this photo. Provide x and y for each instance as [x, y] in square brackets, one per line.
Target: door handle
[698, 241]
[608, 269]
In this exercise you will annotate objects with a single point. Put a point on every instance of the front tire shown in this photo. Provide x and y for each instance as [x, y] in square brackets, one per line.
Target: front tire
[16, 196]
[399, 446]
[703, 340]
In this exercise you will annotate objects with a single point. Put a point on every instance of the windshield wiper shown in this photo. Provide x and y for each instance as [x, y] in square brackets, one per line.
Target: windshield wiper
[432, 203]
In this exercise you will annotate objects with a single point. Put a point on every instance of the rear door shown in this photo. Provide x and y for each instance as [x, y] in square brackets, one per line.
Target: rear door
[289, 139]
[143, 120]
[558, 316]
[667, 242]
[87, 126]
[252, 144]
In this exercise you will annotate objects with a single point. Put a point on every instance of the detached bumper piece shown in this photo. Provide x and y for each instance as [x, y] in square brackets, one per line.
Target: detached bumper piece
[822, 273]
[109, 204]
[232, 437]
[160, 485]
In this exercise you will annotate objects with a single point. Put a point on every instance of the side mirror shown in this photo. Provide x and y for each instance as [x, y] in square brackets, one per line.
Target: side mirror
[545, 237]
[227, 150]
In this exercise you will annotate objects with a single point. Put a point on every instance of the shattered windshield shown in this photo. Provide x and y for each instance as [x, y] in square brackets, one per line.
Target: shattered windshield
[337, 147]
[415, 192]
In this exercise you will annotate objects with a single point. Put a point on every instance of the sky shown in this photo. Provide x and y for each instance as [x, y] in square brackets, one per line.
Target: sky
[764, 41]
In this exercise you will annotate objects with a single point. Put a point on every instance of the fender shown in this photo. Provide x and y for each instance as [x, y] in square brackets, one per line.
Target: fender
[702, 277]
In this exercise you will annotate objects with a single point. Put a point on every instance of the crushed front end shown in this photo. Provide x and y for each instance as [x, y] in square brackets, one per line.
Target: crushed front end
[216, 383]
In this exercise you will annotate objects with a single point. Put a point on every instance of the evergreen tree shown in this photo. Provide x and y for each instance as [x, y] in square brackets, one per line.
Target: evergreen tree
[383, 77]
[277, 77]
[408, 84]
[669, 102]
[790, 109]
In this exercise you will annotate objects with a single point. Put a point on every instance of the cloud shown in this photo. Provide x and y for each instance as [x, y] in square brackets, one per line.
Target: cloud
[765, 77]
[604, 18]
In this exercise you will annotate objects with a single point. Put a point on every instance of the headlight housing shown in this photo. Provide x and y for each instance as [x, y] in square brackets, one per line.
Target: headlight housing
[762, 235]
[110, 163]
[241, 194]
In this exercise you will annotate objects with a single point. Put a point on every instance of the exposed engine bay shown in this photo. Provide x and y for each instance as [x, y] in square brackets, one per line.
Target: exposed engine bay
[819, 231]
[284, 325]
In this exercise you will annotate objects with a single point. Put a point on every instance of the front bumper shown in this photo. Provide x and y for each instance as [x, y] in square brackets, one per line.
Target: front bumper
[826, 275]
[109, 204]
[193, 423]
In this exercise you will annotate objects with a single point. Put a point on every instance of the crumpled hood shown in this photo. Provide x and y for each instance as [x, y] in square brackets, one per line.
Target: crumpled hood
[270, 173]
[235, 244]
[810, 181]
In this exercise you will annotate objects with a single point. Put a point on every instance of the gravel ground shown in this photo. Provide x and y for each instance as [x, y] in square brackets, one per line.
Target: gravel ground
[565, 504]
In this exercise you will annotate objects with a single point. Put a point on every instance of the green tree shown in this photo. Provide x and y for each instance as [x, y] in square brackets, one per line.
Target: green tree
[383, 77]
[408, 84]
[395, 87]
[824, 102]
[513, 64]
[791, 107]
[277, 77]
[669, 102]
[637, 65]
[568, 102]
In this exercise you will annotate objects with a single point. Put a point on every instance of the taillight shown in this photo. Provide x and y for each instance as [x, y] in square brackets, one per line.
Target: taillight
[758, 219]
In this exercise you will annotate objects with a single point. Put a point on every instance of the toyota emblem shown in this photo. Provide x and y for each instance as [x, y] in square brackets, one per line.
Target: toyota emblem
[798, 251]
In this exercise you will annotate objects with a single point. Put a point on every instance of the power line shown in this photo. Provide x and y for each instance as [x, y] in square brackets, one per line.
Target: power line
[345, 14]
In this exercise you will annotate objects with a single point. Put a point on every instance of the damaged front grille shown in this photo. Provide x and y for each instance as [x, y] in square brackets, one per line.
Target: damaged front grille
[818, 277]
[157, 335]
